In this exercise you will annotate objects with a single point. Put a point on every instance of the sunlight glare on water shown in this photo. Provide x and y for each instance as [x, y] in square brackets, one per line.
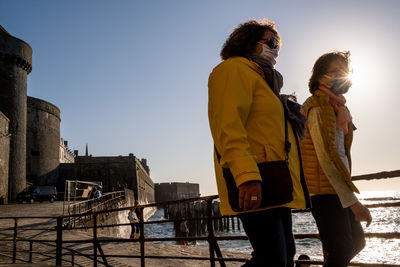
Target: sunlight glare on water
[377, 250]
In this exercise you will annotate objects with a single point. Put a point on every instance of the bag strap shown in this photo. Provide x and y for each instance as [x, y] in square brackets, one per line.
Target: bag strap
[288, 145]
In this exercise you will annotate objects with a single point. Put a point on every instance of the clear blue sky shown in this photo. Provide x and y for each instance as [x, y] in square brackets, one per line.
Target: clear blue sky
[131, 76]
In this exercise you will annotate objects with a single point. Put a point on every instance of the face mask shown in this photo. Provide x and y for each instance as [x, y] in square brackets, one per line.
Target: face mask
[339, 85]
[269, 54]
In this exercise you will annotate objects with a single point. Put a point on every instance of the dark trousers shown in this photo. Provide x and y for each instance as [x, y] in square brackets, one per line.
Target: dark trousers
[341, 235]
[134, 228]
[270, 234]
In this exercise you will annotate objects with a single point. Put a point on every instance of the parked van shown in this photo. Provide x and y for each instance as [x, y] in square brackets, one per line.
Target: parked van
[38, 193]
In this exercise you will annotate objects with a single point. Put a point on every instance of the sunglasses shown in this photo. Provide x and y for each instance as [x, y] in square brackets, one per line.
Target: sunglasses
[338, 72]
[272, 43]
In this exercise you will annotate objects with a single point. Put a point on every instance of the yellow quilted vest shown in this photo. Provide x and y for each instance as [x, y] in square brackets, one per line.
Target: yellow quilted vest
[316, 180]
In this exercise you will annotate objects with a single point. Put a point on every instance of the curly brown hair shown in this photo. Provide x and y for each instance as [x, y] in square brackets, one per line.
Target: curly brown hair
[322, 64]
[243, 40]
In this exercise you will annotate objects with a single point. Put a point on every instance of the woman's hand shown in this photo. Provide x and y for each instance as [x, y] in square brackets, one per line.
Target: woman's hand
[361, 213]
[250, 195]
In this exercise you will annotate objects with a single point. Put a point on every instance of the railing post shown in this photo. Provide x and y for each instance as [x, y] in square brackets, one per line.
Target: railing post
[15, 240]
[59, 242]
[30, 251]
[94, 239]
[102, 254]
[211, 237]
[141, 238]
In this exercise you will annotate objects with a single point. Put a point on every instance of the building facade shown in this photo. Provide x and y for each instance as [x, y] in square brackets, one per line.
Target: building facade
[66, 155]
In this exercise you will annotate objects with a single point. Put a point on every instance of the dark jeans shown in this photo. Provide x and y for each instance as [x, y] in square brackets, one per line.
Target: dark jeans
[341, 235]
[134, 228]
[270, 234]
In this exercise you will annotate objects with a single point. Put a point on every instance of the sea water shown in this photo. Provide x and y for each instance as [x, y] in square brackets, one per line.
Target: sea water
[377, 250]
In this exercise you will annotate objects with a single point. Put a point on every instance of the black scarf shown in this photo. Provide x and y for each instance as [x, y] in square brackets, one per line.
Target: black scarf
[294, 115]
[272, 76]
[275, 81]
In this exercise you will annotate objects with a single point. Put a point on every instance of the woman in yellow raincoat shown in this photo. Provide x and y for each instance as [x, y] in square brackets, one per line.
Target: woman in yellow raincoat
[248, 126]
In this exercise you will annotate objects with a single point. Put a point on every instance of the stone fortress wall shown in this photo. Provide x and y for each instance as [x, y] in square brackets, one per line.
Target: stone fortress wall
[4, 157]
[15, 65]
[175, 191]
[43, 139]
[115, 172]
[32, 148]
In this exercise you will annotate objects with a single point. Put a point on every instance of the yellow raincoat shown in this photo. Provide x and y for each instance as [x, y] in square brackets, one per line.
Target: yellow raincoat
[248, 127]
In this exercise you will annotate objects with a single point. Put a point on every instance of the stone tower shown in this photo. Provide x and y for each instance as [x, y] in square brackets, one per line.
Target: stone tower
[43, 140]
[15, 65]
[4, 158]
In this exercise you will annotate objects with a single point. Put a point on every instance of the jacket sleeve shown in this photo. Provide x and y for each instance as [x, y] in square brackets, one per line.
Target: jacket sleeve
[346, 195]
[230, 102]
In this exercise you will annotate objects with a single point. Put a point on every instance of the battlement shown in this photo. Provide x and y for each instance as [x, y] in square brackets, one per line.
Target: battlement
[15, 51]
[37, 104]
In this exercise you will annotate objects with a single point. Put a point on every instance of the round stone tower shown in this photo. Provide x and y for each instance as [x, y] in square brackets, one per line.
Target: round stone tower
[4, 158]
[43, 140]
[15, 65]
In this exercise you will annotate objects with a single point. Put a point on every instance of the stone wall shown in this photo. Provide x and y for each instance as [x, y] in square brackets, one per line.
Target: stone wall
[43, 139]
[114, 172]
[15, 65]
[145, 186]
[4, 158]
[118, 217]
[175, 191]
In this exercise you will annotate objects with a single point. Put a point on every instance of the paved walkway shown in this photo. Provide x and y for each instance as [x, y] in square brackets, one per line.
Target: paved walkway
[46, 252]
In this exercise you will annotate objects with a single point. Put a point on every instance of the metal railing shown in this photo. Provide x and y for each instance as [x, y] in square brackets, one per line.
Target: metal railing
[61, 253]
[87, 207]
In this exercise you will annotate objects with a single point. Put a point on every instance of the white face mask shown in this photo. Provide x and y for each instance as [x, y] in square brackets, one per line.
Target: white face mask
[337, 84]
[269, 54]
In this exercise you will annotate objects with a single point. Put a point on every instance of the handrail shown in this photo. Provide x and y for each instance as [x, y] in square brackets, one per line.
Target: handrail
[378, 175]
[211, 238]
[87, 207]
[102, 197]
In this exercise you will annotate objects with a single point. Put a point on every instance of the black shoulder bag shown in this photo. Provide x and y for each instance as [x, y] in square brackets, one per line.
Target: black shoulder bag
[277, 185]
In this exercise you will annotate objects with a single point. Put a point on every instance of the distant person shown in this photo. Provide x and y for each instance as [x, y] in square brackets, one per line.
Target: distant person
[92, 192]
[134, 220]
[303, 257]
[327, 161]
[91, 195]
[184, 231]
[251, 135]
[139, 217]
[97, 193]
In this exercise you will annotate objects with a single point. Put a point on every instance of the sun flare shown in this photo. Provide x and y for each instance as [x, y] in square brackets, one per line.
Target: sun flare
[361, 71]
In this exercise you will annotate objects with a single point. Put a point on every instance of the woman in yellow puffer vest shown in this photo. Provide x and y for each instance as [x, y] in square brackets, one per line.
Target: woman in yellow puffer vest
[327, 162]
[247, 122]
